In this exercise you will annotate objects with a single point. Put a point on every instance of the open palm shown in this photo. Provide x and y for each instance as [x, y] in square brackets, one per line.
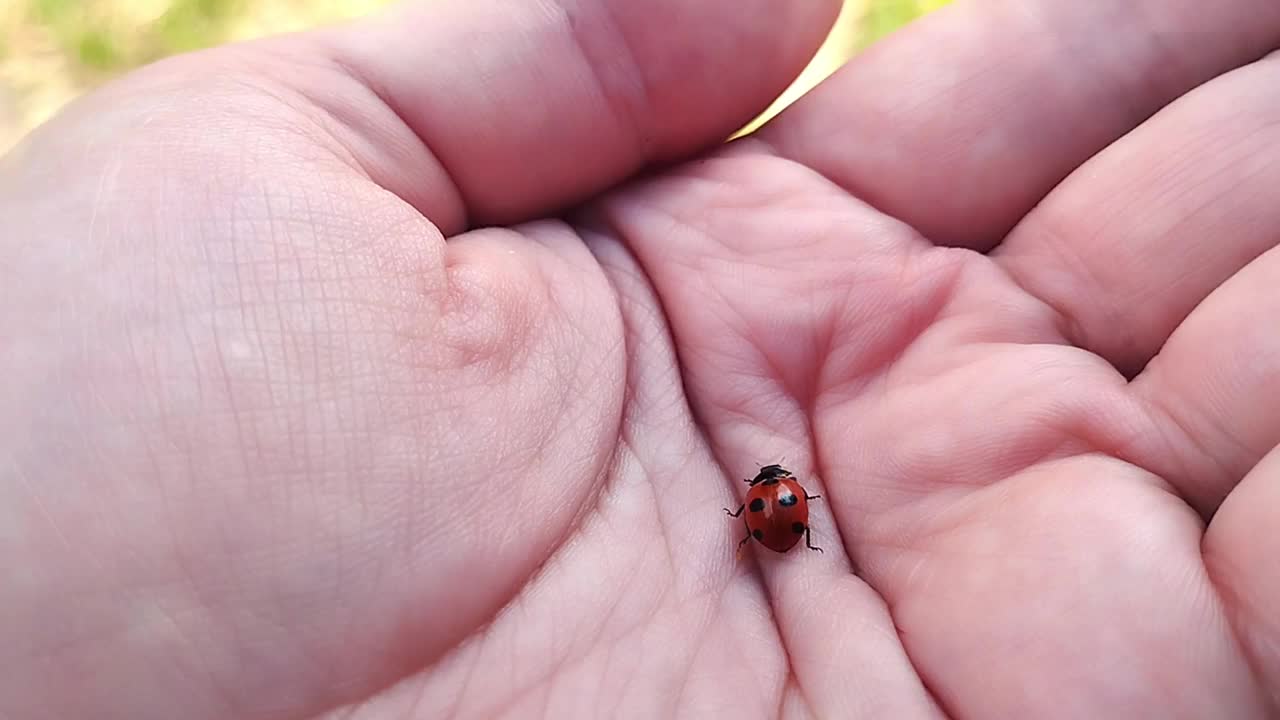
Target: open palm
[307, 412]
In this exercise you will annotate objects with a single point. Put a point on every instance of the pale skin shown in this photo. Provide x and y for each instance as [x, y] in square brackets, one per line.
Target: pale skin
[360, 374]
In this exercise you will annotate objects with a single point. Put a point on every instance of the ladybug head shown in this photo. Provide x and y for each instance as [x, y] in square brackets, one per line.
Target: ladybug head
[769, 472]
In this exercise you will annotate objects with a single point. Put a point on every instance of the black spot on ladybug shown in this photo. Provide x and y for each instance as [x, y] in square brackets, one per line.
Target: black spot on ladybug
[757, 505]
[797, 527]
[771, 481]
[787, 500]
[757, 534]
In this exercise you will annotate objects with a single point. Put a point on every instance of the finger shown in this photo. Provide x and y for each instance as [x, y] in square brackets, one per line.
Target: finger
[1240, 550]
[524, 107]
[1212, 387]
[1068, 590]
[962, 123]
[1127, 247]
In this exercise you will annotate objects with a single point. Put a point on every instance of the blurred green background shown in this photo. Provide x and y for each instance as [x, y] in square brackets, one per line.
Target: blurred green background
[52, 50]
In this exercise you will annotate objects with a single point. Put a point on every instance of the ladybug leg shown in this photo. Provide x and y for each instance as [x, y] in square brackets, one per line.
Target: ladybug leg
[744, 541]
[736, 514]
[807, 496]
[808, 541]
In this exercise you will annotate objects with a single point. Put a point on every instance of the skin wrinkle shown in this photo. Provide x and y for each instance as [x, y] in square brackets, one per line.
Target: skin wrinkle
[308, 466]
[1070, 331]
[107, 177]
[621, 639]
[1128, 453]
[1234, 608]
[698, 643]
[1193, 202]
[538, 683]
[463, 691]
[573, 529]
[759, 682]
[199, 599]
[627, 113]
[455, 216]
[455, 213]
[595, 231]
[260, 206]
[788, 684]
[1221, 597]
[274, 239]
[1176, 422]
[357, 455]
[606, 669]
[884, 362]
[515, 698]
[630, 332]
[336, 121]
[641, 627]
[943, 705]
[300, 122]
[554, 559]
[223, 369]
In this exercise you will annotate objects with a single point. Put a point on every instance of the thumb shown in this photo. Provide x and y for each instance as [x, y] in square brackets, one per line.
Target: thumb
[521, 108]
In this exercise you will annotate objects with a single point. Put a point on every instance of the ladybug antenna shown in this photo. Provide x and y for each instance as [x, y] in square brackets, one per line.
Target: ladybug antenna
[782, 461]
[770, 464]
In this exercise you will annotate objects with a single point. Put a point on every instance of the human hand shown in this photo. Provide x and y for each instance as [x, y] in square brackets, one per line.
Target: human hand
[291, 427]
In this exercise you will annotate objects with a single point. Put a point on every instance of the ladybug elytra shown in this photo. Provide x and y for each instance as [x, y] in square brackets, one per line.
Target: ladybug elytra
[777, 510]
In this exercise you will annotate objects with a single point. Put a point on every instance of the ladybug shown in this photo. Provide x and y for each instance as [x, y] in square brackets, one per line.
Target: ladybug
[777, 510]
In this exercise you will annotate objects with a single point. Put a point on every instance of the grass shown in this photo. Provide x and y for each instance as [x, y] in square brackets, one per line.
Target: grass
[52, 50]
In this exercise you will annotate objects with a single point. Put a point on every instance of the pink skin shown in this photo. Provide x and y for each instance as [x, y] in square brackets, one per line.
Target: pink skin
[284, 433]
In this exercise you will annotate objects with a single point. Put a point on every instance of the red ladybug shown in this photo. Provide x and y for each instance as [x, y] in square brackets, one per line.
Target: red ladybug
[777, 510]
